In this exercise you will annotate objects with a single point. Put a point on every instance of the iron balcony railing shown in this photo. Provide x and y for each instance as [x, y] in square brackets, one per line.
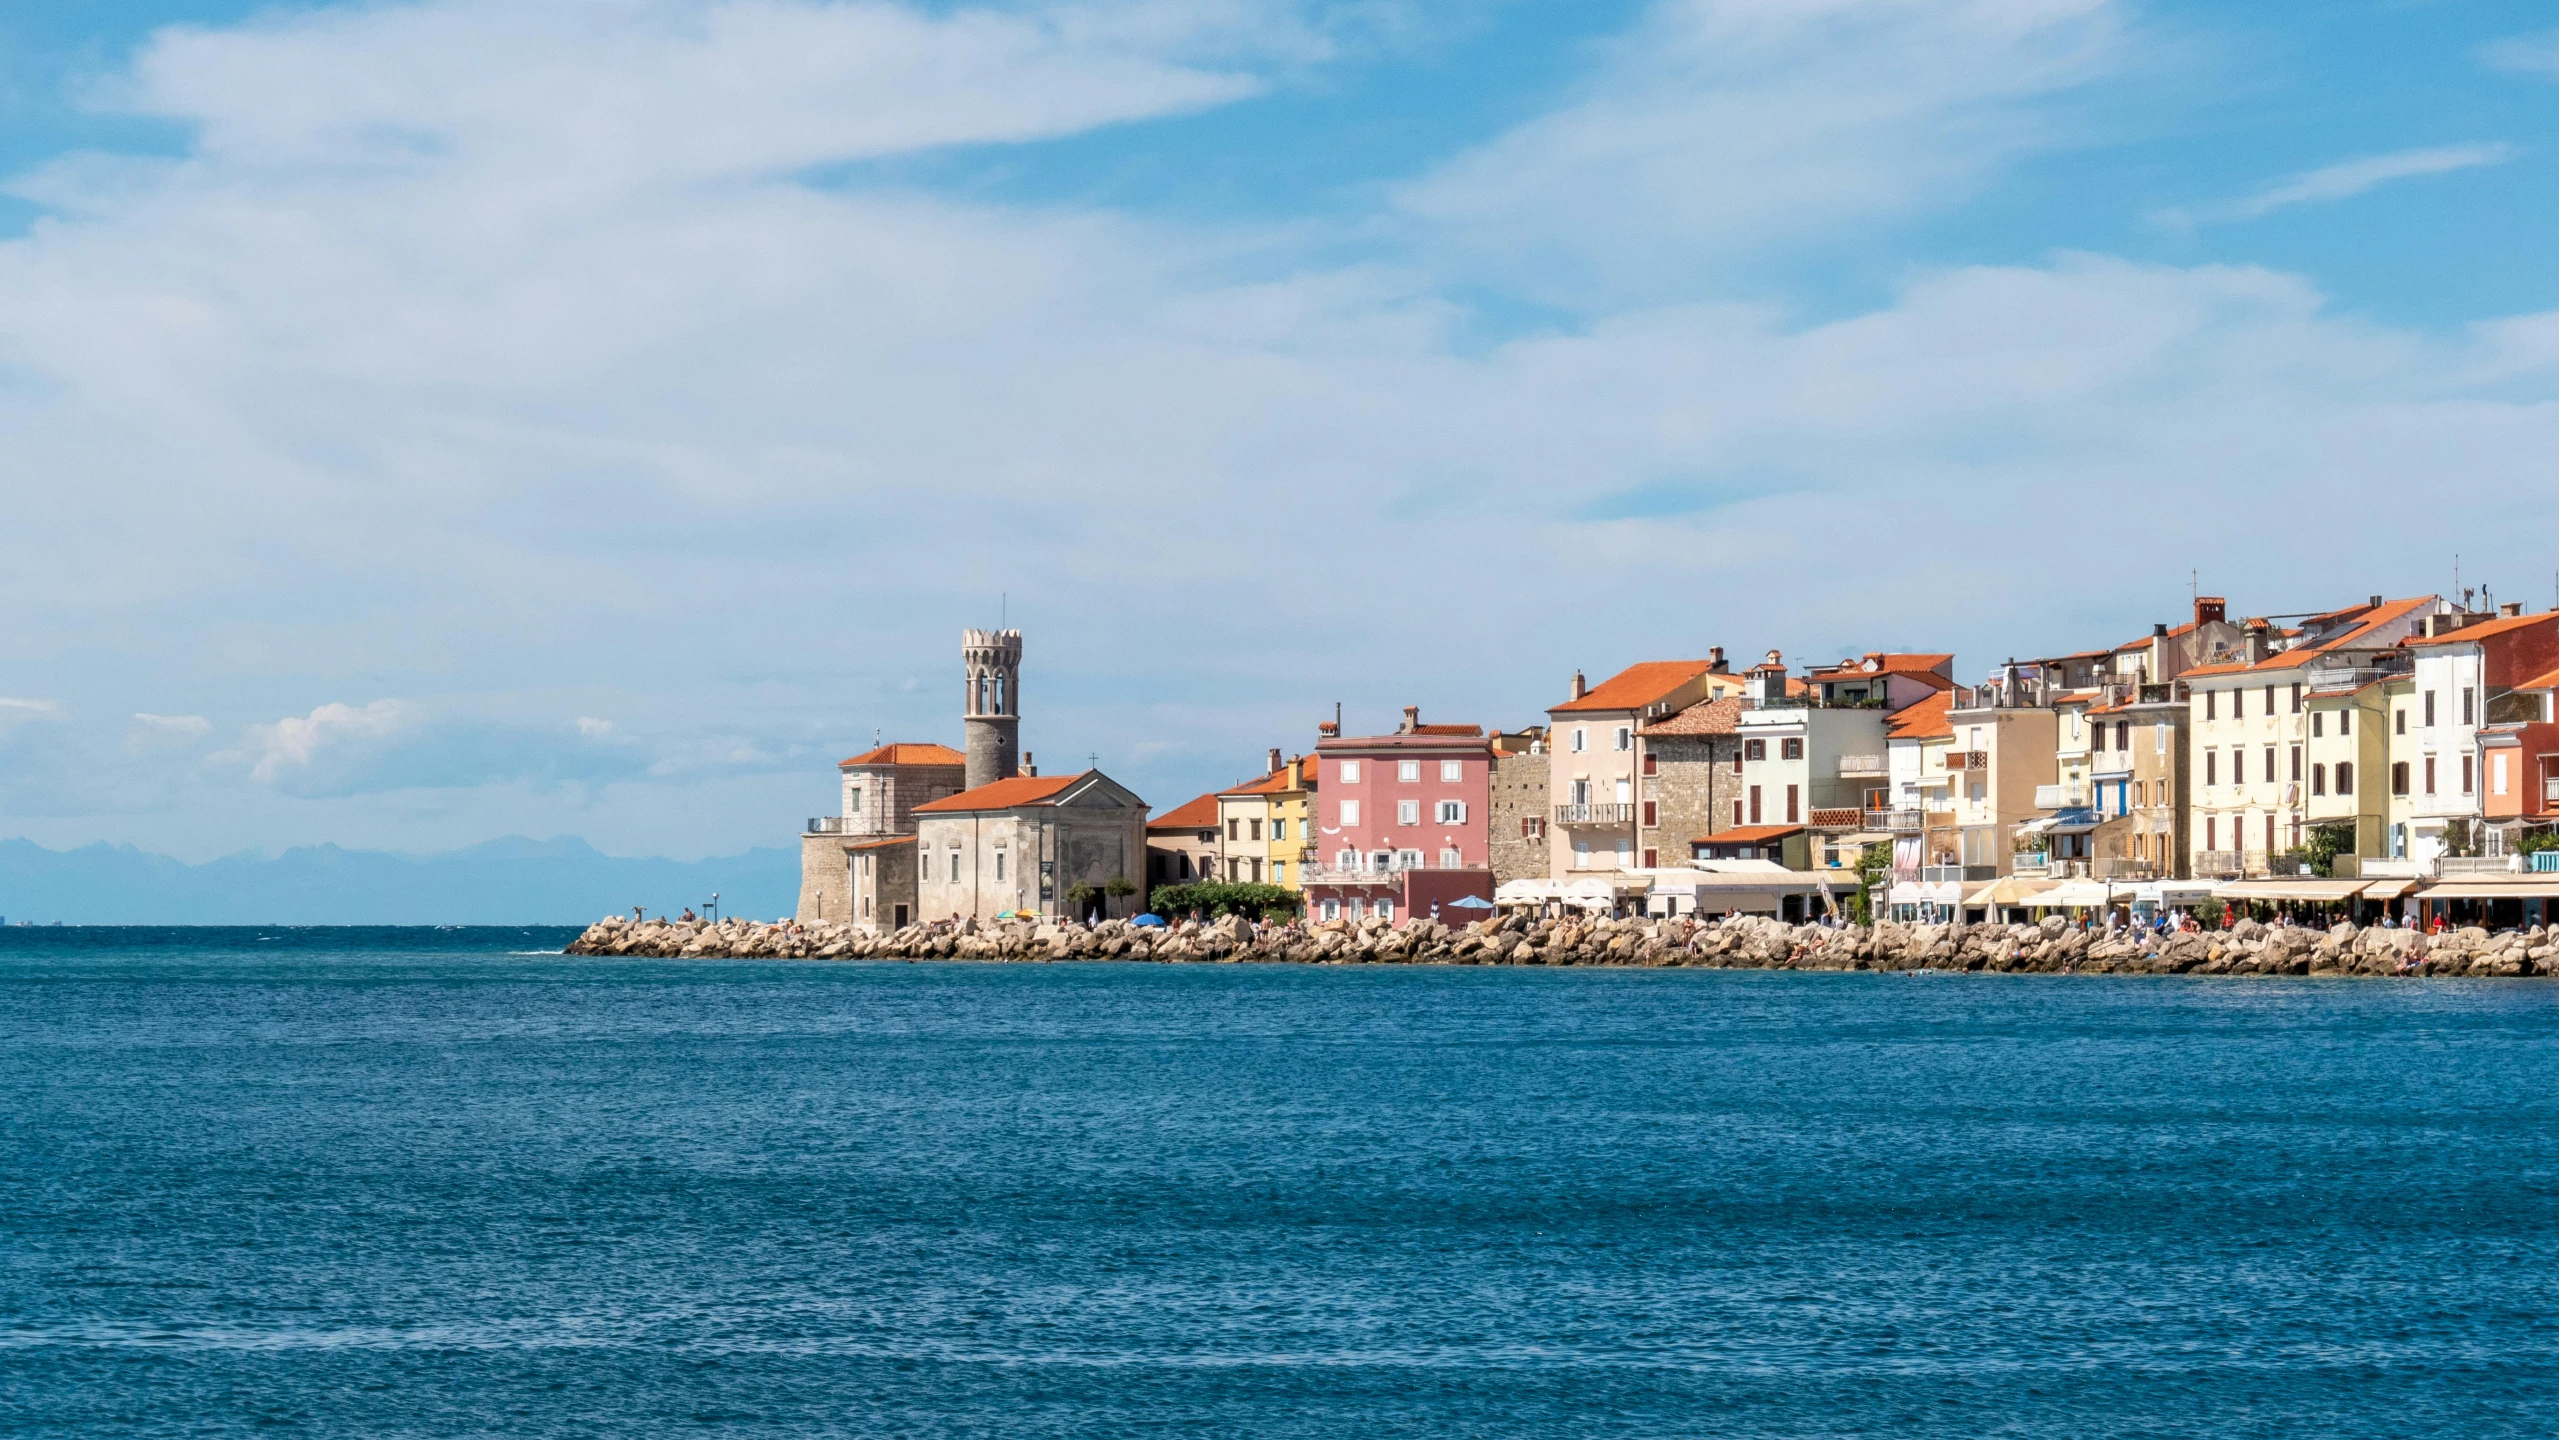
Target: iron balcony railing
[1860, 767]
[1594, 814]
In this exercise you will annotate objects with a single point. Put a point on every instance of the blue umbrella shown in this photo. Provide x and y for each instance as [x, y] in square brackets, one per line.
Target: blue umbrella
[1148, 920]
[1470, 902]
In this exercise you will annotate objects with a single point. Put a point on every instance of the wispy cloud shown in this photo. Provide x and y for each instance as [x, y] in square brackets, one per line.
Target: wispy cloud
[2532, 54]
[173, 724]
[2341, 181]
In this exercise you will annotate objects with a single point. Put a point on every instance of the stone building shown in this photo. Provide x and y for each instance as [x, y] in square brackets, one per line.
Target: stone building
[1692, 782]
[993, 721]
[1519, 800]
[1033, 845]
[880, 791]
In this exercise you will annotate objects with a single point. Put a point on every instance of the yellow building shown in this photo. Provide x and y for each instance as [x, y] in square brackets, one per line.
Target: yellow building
[2349, 751]
[1264, 825]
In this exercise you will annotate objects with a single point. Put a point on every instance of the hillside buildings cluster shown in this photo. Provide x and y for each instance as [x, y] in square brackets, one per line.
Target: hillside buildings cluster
[2357, 755]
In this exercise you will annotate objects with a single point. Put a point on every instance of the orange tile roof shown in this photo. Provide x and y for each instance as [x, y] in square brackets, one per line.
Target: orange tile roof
[2541, 682]
[1637, 686]
[1706, 717]
[1448, 729]
[2376, 617]
[1002, 795]
[1278, 782]
[1922, 719]
[1749, 835]
[883, 844]
[2503, 624]
[896, 754]
[1199, 814]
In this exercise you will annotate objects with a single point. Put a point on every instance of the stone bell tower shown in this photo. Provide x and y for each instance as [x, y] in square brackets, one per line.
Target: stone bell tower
[994, 705]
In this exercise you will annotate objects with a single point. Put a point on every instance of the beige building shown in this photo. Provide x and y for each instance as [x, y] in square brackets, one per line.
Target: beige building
[1033, 845]
[1183, 845]
[2348, 748]
[1999, 759]
[880, 790]
[1597, 755]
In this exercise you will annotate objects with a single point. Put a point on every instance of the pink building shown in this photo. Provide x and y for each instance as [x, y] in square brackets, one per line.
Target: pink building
[1403, 823]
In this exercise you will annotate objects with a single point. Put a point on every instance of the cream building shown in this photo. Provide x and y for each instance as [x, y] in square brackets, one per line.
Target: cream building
[1596, 759]
[1031, 845]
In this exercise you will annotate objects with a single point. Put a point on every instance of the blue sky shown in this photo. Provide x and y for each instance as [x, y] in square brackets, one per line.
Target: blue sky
[442, 420]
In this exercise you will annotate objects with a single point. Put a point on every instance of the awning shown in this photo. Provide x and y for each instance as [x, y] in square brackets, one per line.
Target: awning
[2521, 887]
[2014, 890]
[2074, 827]
[2388, 889]
[2084, 894]
[1913, 892]
[2323, 891]
[1526, 892]
[1750, 902]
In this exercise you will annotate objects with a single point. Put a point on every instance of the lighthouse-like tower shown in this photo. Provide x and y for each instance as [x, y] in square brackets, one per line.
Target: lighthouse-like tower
[994, 706]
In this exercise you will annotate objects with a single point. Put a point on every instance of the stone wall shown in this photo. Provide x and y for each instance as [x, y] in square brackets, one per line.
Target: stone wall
[1519, 793]
[1692, 791]
[826, 879]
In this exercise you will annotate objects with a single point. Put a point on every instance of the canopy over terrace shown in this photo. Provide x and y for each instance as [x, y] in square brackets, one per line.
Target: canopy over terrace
[2012, 892]
[2496, 901]
[1748, 887]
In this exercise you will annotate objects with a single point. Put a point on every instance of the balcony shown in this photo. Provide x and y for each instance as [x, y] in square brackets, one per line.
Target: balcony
[1335, 875]
[1967, 759]
[2447, 866]
[1900, 822]
[2028, 862]
[2117, 868]
[2550, 791]
[2217, 863]
[1956, 874]
[1863, 767]
[835, 825]
[1835, 817]
[2061, 797]
[1594, 814]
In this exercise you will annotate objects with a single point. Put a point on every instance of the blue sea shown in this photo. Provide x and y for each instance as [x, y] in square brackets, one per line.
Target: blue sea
[445, 1183]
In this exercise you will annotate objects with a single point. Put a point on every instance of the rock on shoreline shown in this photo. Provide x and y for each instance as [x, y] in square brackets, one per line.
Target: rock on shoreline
[1740, 942]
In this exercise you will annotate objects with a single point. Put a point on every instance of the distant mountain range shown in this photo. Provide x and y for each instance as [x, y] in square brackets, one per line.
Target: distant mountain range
[504, 882]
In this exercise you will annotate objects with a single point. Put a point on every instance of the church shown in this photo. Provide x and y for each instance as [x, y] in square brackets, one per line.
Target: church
[931, 833]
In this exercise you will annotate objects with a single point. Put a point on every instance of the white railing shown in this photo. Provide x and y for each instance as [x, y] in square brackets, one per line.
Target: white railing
[2060, 797]
[2474, 864]
[1356, 875]
[1861, 766]
[835, 825]
[1594, 814]
[1900, 822]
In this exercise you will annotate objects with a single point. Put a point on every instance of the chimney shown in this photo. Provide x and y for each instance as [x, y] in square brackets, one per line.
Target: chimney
[2511, 607]
[2257, 641]
[1412, 722]
[2376, 602]
[1581, 687]
[2209, 609]
[1328, 729]
[1030, 767]
[2159, 654]
[1273, 767]
[1716, 662]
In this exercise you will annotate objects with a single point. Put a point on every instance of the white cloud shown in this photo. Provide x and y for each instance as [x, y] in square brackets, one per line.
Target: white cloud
[2536, 54]
[26, 707]
[174, 724]
[1719, 128]
[2344, 180]
[291, 746]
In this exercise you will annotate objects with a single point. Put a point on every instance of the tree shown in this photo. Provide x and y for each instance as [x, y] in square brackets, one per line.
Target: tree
[2327, 842]
[1221, 897]
[1874, 873]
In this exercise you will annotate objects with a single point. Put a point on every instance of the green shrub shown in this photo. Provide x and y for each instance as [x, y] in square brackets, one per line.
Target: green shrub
[1223, 897]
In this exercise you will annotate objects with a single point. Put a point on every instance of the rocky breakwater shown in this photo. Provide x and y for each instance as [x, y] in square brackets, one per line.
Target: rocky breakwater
[1741, 942]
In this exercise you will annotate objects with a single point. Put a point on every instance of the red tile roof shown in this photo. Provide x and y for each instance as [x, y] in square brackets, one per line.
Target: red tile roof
[883, 844]
[1448, 729]
[1278, 782]
[1749, 835]
[1706, 717]
[1922, 719]
[1200, 814]
[2541, 682]
[2376, 618]
[2481, 629]
[1637, 686]
[894, 754]
[1002, 795]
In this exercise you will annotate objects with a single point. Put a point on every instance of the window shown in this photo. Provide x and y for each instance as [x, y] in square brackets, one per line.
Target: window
[2318, 779]
[1581, 792]
[1790, 749]
[2270, 699]
[1754, 804]
[2159, 739]
[1386, 911]
[1581, 854]
[1452, 860]
[1252, 829]
[1581, 739]
[1531, 827]
[1737, 762]
[999, 862]
[2430, 708]
[1346, 861]
[923, 863]
[1350, 772]
[1332, 909]
[1358, 908]
[1737, 812]
[2270, 825]
[1625, 737]
[1452, 772]
[2345, 722]
[2296, 764]
[1625, 791]
[1652, 763]
[1754, 749]
[2212, 767]
[853, 801]
[1452, 812]
[1652, 859]
[1792, 814]
[2212, 833]
[1408, 812]
[2345, 777]
[2399, 777]
[2210, 703]
[2497, 772]
[2430, 774]
[2465, 774]
[1652, 814]
[1350, 812]
[2315, 717]
[1408, 771]
[2296, 697]
[2469, 712]
[1234, 829]
[1279, 829]
[2270, 764]
[953, 869]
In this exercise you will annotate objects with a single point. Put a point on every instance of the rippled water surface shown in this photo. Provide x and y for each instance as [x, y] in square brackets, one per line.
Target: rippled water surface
[395, 1183]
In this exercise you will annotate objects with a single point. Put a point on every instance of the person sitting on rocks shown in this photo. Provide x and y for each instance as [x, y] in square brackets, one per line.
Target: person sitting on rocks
[688, 913]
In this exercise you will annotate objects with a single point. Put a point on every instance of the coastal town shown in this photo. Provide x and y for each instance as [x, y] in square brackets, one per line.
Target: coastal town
[2392, 762]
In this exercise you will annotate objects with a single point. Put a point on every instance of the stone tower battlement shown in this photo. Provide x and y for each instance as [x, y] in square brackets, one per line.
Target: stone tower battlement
[992, 704]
